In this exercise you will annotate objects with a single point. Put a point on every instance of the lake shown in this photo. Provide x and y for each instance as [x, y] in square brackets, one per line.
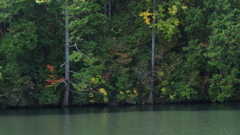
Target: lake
[173, 119]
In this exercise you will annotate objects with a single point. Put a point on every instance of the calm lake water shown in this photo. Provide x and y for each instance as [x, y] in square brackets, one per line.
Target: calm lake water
[175, 119]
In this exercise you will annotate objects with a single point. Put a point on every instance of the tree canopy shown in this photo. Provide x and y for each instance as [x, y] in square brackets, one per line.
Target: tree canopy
[110, 45]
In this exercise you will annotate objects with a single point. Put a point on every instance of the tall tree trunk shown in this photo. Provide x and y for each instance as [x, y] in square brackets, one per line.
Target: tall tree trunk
[110, 10]
[67, 64]
[153, 56]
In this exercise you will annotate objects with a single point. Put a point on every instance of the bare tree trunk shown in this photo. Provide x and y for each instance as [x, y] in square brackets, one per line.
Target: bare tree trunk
[153, 56]
[110, 10]
[67, 64]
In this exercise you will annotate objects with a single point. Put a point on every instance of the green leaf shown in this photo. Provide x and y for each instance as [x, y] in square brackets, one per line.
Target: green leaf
[75, 56]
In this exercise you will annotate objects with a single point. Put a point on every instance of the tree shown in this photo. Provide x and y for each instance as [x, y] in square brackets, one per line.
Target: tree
[153, 55]
[76, 21]
[67, 64]
[194, 48]
[19, 38]
[212, 48]
[222, 48]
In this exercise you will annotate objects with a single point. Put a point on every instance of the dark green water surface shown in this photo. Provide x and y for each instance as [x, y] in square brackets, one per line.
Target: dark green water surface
[175, 119]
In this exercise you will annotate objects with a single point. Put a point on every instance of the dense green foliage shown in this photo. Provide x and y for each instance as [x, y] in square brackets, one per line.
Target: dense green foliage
[197, 52]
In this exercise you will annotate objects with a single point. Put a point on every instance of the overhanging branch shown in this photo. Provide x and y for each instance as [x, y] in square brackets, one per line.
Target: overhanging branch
[63, 64]
[75, 45]
[64, 81]
[78, 92]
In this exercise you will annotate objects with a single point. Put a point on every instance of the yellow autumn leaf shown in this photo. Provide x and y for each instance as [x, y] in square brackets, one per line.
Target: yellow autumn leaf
[176, 22]
[173, 10]
[163, 89]
[128, 91]
[171, 96]
[145, 17]
[136, 92]
[121, 92]
[147, 21]
[184, 7]
[102, 90]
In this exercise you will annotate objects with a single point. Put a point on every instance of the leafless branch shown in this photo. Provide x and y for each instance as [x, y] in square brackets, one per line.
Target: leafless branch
[78, 92]
[75, 45]
[73, 72]
[71, 82]
[59, 83]
[74, 17]
[63, 64]
[59, 22]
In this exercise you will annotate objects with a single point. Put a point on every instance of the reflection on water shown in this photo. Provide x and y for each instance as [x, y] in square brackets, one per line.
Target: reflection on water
[176, 119]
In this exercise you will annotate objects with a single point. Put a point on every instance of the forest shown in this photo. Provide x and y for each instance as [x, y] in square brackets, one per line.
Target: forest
[114, 52]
